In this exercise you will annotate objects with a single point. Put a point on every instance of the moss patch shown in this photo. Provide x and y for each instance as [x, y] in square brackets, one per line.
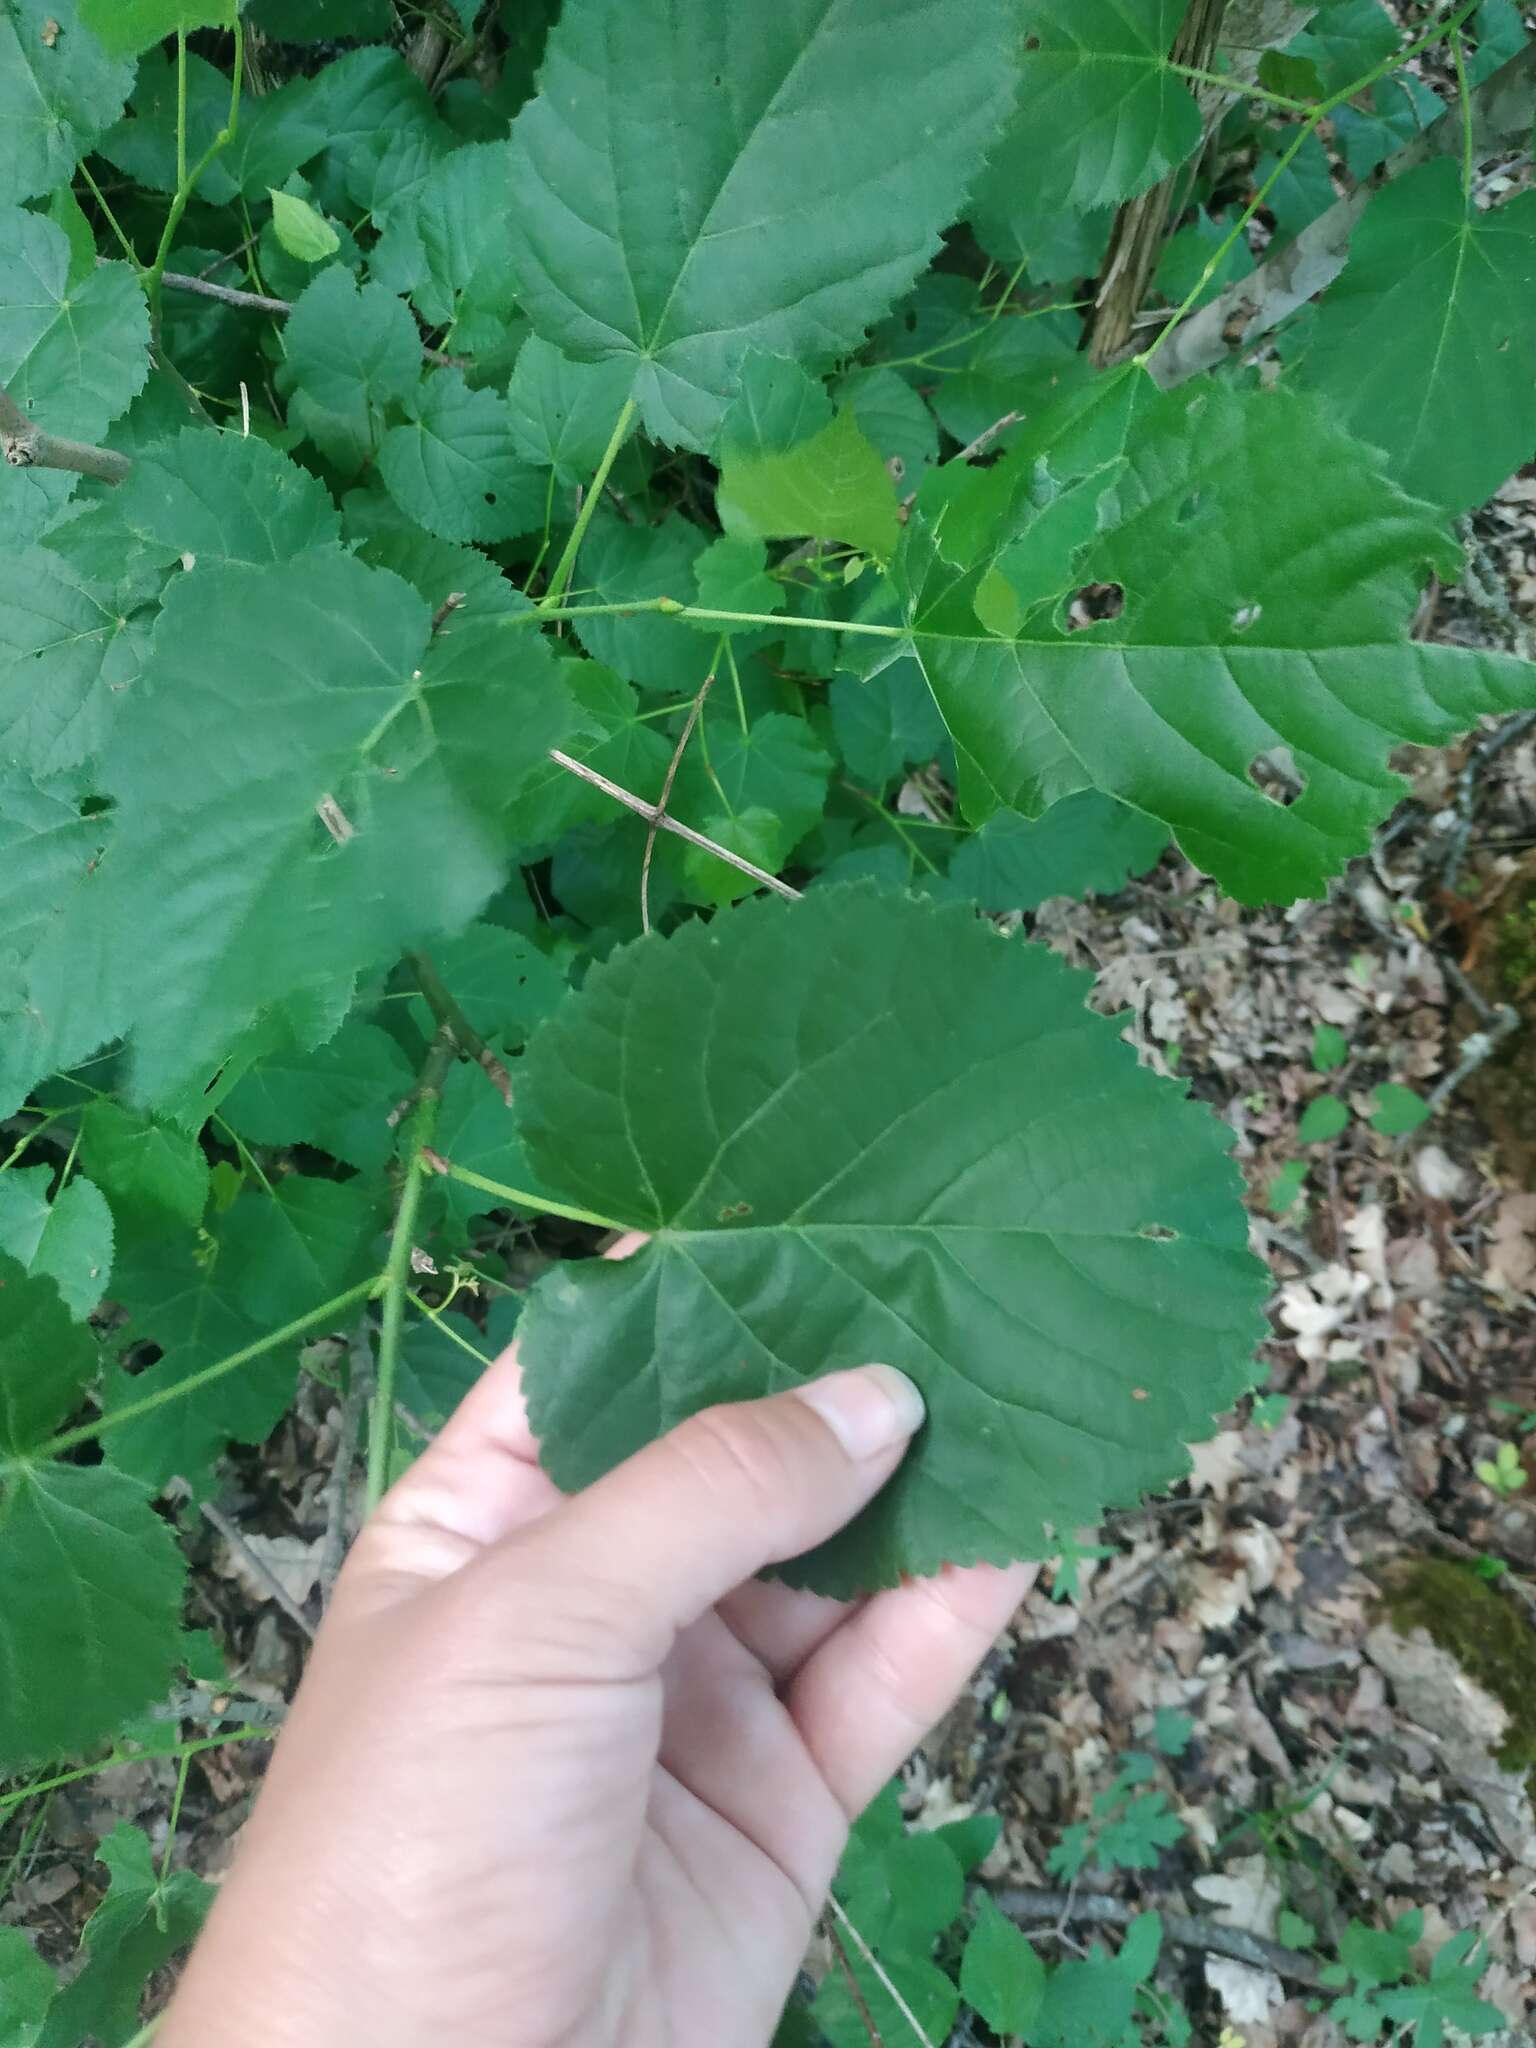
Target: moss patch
[1517, 948]
[1485, 1632]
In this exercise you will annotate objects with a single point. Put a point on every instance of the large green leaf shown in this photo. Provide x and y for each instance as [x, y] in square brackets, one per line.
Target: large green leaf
[65, 652]
[69, 1238]
[1099, 116]
[1426, 345]
[1264, 626]
[770, 217]
[58, 90]
[90, 1622]
[336, 796]
[72, 357]
[868, 1128]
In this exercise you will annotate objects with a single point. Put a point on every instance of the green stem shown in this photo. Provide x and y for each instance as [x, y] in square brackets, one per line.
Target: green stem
[1323, 108]
[117, 1763]
[519, 1198]
[181, 108]
[328, 1313]
[897, 826]
[110, 217]
[589, 504]
[670, 608]
[175, 1820]
[446, 1327]
[146, 2033]
[397, 1269]
[186, 182]
[1236, 87]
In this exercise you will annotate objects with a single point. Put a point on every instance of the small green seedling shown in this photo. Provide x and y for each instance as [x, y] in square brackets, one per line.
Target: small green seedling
[1503, 1473]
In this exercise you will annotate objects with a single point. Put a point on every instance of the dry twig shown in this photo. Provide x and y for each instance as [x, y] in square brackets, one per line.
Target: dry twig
[25, 445]
[1254, 1949]
[653, 812]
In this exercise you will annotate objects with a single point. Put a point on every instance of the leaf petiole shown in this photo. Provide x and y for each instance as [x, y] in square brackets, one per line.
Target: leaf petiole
[519, 1198]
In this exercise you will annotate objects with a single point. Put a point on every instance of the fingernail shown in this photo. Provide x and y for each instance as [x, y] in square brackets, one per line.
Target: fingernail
[868, 1409]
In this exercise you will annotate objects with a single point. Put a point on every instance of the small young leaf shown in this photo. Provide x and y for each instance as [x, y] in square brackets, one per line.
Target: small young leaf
[1398, 1110]
[1171, 1731]
[456, 466]
[1330, 1048]
[1001, 1976]
[352, 352]
[1324, 1117]
[1040, 1196]
[306, 235]
[137, 1928]
[1286, 1186]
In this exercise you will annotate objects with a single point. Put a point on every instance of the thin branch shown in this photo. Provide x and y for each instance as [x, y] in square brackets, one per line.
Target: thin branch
[657, 816]
[661, 802]
[25, 445]
[1256, 1950]
[892, 1992]
[445, 1008]
[227, 294]
[567, 562]
[260, 1568]
[986, 437]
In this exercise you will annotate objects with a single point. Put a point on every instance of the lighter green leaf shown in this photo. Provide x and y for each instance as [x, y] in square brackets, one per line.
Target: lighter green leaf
[1084, 842]
[828, 484]
[756, 834]
[64, 654]
[352, 352]
[337, 1097]
[456, 466]
[1099, 115]
[306, 234]
[127, 28]
[152, 1173]
[1398, 1110]
[1259, 614]
[731, 575]
[58, 91]
[1426, 345]
[68, 1239]
[935, 1156]
[563, 412]
[771, 218]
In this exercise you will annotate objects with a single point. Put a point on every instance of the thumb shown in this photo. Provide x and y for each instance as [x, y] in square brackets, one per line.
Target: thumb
[730, 1490]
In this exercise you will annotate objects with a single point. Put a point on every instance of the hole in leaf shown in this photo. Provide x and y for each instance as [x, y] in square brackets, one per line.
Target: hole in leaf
[1031, 42]
[1275, 775]
[1188, 509]
[1160, 1233]
[490, 497]
[1245, 616]
[1094, 602]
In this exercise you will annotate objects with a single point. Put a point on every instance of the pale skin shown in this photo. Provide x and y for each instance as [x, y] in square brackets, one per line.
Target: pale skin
[562, 1772]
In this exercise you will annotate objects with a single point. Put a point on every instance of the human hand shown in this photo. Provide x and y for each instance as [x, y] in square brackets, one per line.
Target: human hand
[562, 1771]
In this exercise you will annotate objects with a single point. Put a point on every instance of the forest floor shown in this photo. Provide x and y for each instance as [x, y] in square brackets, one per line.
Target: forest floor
[1337, 1764]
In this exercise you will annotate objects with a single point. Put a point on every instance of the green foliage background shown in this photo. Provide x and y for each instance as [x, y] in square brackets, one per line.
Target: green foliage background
[694, 393]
